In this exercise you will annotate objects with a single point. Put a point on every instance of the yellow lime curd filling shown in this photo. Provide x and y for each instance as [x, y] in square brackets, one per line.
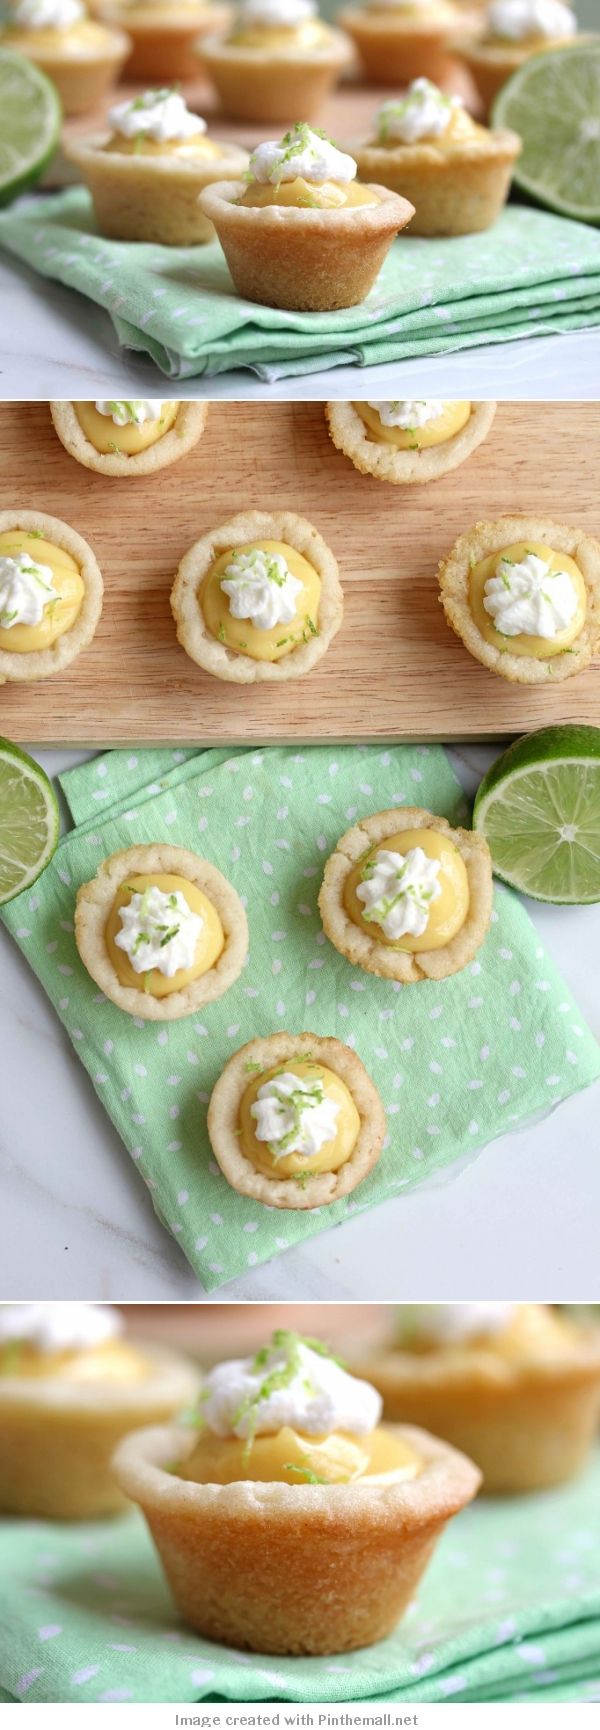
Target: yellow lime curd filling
[447, 913]
[77, 40]
[196, 145]
[541, 648]
[289, 1457]
[63, 607]
[531, 1331]
[209, 947]
[289, 39]
[305, 194]
[278, 1159]
[112, 1361]
[107, 438]
[270, 643]
[437, 431]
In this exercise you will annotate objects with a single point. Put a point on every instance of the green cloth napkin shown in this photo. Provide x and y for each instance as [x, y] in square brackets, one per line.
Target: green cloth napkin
[530, 275]
[508, 1609]
[456, 1064]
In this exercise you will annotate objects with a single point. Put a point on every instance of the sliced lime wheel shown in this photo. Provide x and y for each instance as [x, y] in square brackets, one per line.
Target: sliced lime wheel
[539, 809]
[30, 117]
[29, 820]
[553, 102]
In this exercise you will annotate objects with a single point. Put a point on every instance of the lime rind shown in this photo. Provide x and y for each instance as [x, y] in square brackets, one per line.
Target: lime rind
[539, 810]
[29, 821]
[553, 103]
[30, 122]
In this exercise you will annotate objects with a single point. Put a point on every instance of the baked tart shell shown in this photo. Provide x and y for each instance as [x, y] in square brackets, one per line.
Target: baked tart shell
[381, 958]
[490, 537]
[165, 51]
[304, 1570]
[42, 663]
[180, 438]
[394, 51]
[83, 81]
[454, 192]
[151, 198]
[405, 467]
[94, 903]
[223, 1122]
[271, 87]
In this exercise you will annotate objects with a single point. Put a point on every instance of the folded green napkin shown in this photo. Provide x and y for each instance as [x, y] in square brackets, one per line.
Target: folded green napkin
[530, 275]
[509, 1609]
[456, 1063]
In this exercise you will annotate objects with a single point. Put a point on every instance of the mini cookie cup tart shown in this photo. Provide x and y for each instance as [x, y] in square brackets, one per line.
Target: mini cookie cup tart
[57, 1436]
[458, 190]
[222, 644]
[395, 46]
[304, 1569]
[528, 1421]
[455, 930]
[275, 85]
[84, 66]
[69, 620]
[406, 465]
[163, 39]
[522, 659]
[152, 198]
[309, 1181]
[184, 430]
[221, 943]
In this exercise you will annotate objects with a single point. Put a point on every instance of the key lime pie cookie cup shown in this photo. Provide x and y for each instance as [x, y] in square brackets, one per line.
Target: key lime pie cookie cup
[258, 599]
[163, 35]
[523, 594]
[295, 1121]
[408, 442]
[292, 1522]
[83, 58]
[427, 148]
[70, 1388]
[279, 62]
[513, 1385]
[50, 595]
[161, 931]
[128, 438]
[301, 233]
[512, 31]
[407, 897]
[398, 40]
[146, 175]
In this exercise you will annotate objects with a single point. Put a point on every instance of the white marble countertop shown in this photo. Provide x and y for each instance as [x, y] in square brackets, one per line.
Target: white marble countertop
[55, 343]
[521, 1217]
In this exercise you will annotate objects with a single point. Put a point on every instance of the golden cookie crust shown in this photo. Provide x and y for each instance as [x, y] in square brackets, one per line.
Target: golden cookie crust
[163, 40]
[527, 1423]
[271, 86]
[490, 537]
[223, 1121]
[252, 1564]
[57, 1437]
[394, 49]
[375, 957]
[180, 438]
[405, 467]
[83, 81]
[151, 198]
[42, 663]
[95, 899]
[456, 191]
[193, 632]
[304, 260]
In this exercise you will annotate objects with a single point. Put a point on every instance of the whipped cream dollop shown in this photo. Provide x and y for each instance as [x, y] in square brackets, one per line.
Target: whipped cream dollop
[159, 930]
[450, 1324]
[408, 416]
[516, 20]
[131, 413]
[59, 1327]
[275, 14]
[294, 1115]
[301, 153]
[288, 1383]
[161, 115]
[261, 587]
[398, 891]
[529, 599]
[47, 14]
[425, 112]
[26, 589]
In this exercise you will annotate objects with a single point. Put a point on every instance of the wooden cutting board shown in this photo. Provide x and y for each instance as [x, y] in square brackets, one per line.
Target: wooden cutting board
[395, 671]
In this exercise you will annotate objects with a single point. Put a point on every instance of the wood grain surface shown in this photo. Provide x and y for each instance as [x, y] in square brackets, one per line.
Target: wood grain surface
[395, 671]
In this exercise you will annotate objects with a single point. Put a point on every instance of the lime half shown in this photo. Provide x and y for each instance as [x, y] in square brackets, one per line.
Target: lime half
[553, 102]
[539, 809]
[29, 820]
[30, 117]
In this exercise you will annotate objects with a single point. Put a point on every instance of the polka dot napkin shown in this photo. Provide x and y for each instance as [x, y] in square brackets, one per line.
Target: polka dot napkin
[508, 1610]
[456, 1063]
[530, 275]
